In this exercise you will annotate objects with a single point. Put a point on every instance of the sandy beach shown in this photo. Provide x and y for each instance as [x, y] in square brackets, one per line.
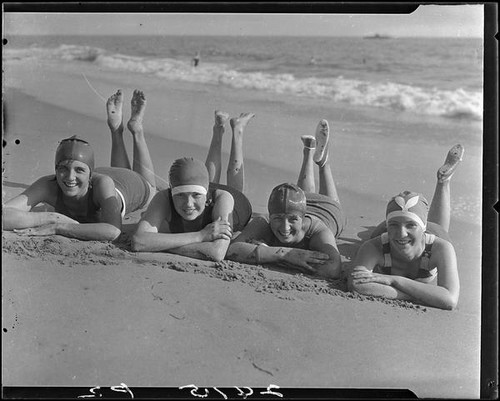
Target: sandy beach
[91, 314]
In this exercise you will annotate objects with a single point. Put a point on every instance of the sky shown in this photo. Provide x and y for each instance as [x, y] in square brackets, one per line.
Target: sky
[427, 21]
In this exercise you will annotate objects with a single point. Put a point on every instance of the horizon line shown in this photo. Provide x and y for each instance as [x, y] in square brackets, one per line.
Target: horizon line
[363, 36]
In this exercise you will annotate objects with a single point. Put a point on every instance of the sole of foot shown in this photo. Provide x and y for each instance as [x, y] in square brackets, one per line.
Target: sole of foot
[454, 157]
[322, 137]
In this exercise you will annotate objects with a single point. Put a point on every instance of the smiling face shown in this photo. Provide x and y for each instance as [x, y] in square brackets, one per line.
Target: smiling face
[189, 205]
[406, 237]
[287, 227]
[73, 177]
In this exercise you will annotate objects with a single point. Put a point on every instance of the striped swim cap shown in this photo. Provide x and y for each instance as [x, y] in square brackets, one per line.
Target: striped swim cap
[408, 204]
[287, 198]
[75, 148]
[188, 175]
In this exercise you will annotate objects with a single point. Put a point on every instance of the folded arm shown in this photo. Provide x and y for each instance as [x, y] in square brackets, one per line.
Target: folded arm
[210, 243]
[444, 295]
[87, 231]
[17, 214]
[251, 247]
[14, 219]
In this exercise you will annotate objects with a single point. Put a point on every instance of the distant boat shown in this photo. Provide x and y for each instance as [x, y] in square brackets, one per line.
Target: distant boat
[377, 36]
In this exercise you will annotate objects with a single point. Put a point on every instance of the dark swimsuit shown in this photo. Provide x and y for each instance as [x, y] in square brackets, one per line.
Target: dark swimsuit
[90, 217]
[133, 187]
[327, 210]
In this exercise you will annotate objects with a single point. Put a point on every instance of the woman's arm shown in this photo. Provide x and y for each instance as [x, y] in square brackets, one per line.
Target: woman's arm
[324, 241]
[250, 247]
[86, 232]
[17, 214]
[108, 229]
[368, 256]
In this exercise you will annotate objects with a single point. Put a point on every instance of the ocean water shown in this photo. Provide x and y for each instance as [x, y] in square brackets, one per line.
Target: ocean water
[438, 77]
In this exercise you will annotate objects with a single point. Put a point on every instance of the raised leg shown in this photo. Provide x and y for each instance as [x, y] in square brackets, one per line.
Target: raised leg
[114, 106]
[235, 167]
[440, 208]
[306, 175]
[142, 163]
[214, 156]
[321, 157]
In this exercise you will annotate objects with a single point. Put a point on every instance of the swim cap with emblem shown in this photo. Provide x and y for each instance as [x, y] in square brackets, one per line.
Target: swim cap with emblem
[75, 148]
[188, 175]
[287, 198]
[411, 205]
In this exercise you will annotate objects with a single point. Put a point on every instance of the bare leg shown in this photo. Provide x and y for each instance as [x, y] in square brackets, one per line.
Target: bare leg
[214, 156]
[119, 157]
[440, 208]
[326, 183]
[142, 159]
[235, 170]
[306, 175]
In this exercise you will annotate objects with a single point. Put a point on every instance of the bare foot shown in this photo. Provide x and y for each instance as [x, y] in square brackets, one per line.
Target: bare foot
[239, 123]
[322, 135]
[454, 157]
[221, 118]
[309, 141]
[137, 114]
[114, 111]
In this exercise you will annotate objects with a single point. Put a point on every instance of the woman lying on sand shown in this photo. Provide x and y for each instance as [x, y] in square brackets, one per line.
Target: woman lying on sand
[97, 198]
[301, 231]
[412, 249]
[196, 216]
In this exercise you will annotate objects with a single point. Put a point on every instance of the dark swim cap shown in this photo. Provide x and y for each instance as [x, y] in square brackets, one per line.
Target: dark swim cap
[287, 198]
[188, 175]
[75, 148]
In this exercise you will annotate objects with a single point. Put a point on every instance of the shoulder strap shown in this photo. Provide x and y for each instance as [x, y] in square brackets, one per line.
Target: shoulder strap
[429, 240]
[386, 250]
[423, 271]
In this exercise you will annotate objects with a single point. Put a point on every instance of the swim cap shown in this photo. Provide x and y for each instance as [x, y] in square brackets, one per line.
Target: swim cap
[287, 198]
[75, 148]
[188, 175]
[408, 204]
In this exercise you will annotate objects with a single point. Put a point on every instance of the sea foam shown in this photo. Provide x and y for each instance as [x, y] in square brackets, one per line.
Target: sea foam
[458, 103]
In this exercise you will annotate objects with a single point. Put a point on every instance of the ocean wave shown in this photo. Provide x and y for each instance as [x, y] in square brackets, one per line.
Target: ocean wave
[458, 104]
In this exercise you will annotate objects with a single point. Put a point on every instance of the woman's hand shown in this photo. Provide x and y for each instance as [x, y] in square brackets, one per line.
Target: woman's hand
[219, 229]
[361, 275]
[304, 260]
